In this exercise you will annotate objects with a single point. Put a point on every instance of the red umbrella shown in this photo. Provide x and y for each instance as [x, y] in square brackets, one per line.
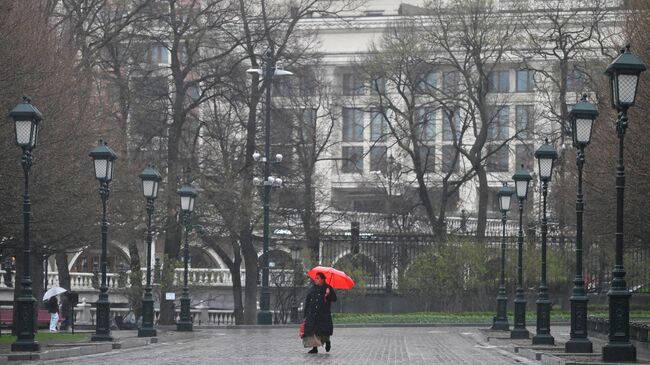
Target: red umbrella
[337, 279]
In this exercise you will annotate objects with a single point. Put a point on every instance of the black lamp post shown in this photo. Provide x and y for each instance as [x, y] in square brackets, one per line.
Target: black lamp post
[104, 159]
[624, 74]
[582, 118]
[500, 321]
[188, 195]
[522, 181]
[264, 316]
[26, 120]
[150, 184]
[545, 156]
[295, 255]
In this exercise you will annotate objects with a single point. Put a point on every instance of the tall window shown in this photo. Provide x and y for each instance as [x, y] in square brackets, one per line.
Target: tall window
[499, 81]
[450, 126]
[427, 157]
[524, 116]
[524, 154]
[353, 84]
[352, 159]
[159, 54]
[525, 81]
[450, 82]
[352, 125]
[378, 126]
[498, 127]
[448, 163]
[426, 123]
[428, 83]
[378, 158]
[307, 124]
[497, 160]
[378, 85]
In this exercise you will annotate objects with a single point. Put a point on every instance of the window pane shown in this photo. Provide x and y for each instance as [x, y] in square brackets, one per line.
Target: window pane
[448, 163]
[378, 86]
[524, 154]
[426, 123]
[378, 126]
[497, 161]
[450, 80]
[427, 157]
[525, 80]
[498, 127]
[499, 81]
[428, 83]
[447, 131]
[352, 84]
[524, 116]
[352, 125]
[378, 159]
[352, 159]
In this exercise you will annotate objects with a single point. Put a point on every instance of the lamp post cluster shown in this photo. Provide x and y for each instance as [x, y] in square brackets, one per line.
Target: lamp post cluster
[268, 71]
[623, 75]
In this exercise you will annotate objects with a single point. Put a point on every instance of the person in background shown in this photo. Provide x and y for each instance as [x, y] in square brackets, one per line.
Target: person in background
[53, 309]
[318, 315]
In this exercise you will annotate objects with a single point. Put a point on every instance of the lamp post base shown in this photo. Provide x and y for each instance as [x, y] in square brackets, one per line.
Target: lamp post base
[579, 346]
[619, 352]
[264, 317]
[102, 327]
[500, 321]
[147, 332]
[543, 339]
[519, 333]
[500, 325]
[184, 326]
[26, 345]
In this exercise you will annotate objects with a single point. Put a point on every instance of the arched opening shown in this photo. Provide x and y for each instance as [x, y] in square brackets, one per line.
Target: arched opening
[88, 260]
[201, 259]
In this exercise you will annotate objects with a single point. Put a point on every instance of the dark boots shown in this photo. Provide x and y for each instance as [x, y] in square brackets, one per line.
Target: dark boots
[328, 346]
[313, 350]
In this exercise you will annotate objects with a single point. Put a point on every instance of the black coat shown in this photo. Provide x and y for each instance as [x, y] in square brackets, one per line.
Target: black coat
[53, 305]
[318, 311]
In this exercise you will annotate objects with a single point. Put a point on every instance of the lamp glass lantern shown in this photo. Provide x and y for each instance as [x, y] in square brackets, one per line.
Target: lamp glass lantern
[26, 122]
[150, 182]
[522, 181]
[623, 75]
[582, 118]
[104, 158]
[545, 156]
[188, 195]
[505, 197]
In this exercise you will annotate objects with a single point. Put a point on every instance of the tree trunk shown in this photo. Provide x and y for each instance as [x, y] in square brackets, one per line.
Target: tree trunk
[136, 276]
[235, 272]
[61, 259]
[481, 223]
[250, 263]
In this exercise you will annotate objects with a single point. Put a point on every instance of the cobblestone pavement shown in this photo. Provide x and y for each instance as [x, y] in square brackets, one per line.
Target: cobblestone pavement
[281, 346]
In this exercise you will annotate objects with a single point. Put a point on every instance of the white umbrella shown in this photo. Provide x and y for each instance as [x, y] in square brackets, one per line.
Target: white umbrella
[53, 292]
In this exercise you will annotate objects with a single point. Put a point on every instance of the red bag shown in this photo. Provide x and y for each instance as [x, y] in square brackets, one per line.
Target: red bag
[301, 331]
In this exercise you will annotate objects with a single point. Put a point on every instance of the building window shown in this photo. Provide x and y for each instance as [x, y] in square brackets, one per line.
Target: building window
[498, 125]
[307, 123]
[353, 84]
[378, 85]
[497, 160]
[352, 125]
[525, 81]
[159, 54]
[428, 83]
[378, 126]
[576, 81]
[449, 153]
[427, 157]
[450, 82]
[524, 154]
[450, 127]
[525, 118]
[499, 82]
[352, 159]
[378, 158]
[426, 123]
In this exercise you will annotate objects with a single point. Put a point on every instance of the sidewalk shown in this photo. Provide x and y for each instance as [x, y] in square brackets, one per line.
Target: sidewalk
[555, 355]
[122, 339]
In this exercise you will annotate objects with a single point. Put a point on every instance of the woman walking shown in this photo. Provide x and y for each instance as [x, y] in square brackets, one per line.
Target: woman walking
[53, 309]
[318, 315]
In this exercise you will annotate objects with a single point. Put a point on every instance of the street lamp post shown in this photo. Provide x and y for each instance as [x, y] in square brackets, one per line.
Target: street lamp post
[26, 120]
[624, 74]
[545, 156]
[522, 181]
[104, 159]
[150, 184]
[269, 70]
[188, 195]
[500, 321]
[582, 118]
[295, 255]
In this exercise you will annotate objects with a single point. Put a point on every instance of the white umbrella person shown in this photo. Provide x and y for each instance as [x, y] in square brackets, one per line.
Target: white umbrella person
[53, 305]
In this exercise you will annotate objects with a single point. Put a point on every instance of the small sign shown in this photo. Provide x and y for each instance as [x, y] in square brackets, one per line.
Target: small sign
[170, 296]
